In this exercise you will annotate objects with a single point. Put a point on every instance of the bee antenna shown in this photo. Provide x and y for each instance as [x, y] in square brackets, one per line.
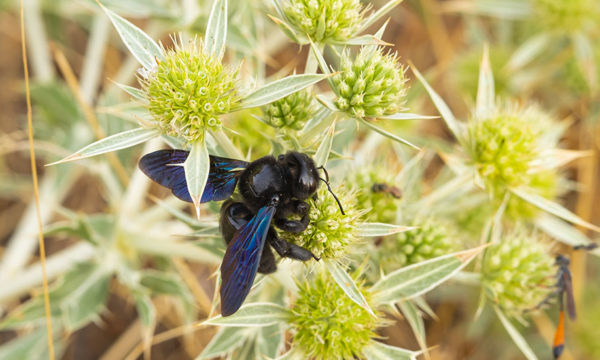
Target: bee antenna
[326, 181]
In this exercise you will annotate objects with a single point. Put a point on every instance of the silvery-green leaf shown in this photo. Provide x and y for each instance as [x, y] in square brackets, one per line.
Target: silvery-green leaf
[328, 104]
[560, 230]
[256, 314]
[419, 278]
[345, 281]
[381, 229]
[175, 142]
[141, 46]
[531, 48]
[380, 351]
[163, 283]
[291, 355]
[381, 12]
[27, 346]
[553, 158]
[135, 92]
[114, 142]
[322, 153]
[485, 88]
[412, 314]
[407, 116]
[197, 166]
[287, 30]
[317, 53]
[270, 341]
[584, 53]
[363, 40]
[146, 310]
[316, 125]
[387, 134]
[553, 208]
[515, 336]
[455, 127]
[280, 88]
[224, 341]
[505, 9]
[216, 29]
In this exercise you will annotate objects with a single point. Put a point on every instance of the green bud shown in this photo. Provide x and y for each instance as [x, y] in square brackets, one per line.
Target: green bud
[188, 90]
[324, 20]
[370, 86]
[291, 112]
[518, 273]
[430, 239]
[327, 324]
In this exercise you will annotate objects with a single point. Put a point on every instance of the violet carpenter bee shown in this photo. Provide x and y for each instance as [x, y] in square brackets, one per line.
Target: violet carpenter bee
[272, 190]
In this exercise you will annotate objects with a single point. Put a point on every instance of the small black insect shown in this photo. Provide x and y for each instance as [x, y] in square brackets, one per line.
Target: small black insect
[387, 189]
[272, 190]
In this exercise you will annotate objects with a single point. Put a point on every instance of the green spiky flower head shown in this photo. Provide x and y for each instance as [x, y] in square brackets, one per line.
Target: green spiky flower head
[518, 273]
[430, 239]
[329, 234]
[568, 16]
[327, 324]
[188, 90]
[503, 145]
[370, 85]
[290, 112]
[376, 193]
[324, 21]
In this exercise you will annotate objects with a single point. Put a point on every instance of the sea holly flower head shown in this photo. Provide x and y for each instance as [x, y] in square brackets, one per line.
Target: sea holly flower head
[329, 234]
[503, 144]
[518, 273]
[324, 20]
[370, 85]
[188, 90]
[291, 112]
[430, 238]
[327, 324]
[568, 16]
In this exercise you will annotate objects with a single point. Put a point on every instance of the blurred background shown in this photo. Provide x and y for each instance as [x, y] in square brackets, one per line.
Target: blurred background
[74, 56]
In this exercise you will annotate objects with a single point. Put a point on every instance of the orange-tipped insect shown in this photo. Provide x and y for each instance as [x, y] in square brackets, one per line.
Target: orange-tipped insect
[564, 287]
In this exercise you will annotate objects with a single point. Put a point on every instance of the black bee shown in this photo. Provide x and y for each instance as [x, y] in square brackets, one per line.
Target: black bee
[272, 190]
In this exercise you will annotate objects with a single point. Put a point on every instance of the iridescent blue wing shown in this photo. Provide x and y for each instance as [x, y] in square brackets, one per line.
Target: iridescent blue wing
[166, 168]
[241, 260]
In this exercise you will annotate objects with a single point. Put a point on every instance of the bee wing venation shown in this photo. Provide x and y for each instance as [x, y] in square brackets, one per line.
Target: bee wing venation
[241, 260]
[165, 167]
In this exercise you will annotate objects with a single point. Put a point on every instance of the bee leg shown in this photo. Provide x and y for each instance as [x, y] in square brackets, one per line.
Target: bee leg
[289, 250]
[267, 263]
[293, 226]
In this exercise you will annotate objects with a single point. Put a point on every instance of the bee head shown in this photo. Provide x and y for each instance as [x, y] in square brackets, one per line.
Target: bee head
[302, 174]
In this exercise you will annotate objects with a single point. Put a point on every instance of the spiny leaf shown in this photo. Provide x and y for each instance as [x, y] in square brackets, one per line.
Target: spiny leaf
[387, 134]
[346, 283]
[485, 89]
[379, 351]
[216, 29]
[280, 88]
[407, 116]
[197, 166]
[226, 340]
[141, 46]
[553, 208]
[455, 127]
[515, 336]
[324, 149]
[256, 314]
[114, 142]
[381, 229]
[417, 279]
